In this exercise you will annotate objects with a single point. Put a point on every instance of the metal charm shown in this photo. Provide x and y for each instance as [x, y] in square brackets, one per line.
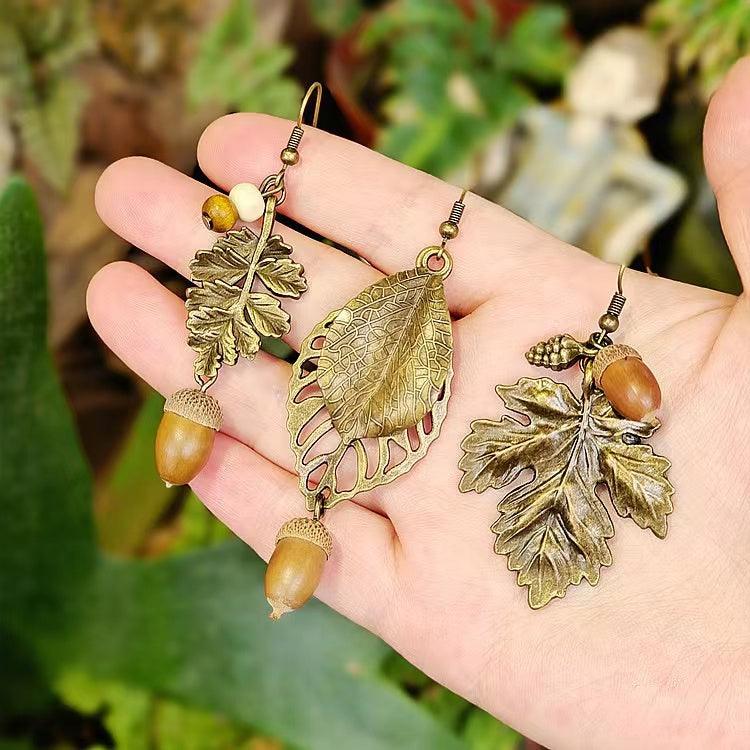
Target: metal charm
[554, 527]
[232, 304]
[226, 314]
[386, 355]
[368, 395]
[227, 311]
[369, 391]
[325, 460]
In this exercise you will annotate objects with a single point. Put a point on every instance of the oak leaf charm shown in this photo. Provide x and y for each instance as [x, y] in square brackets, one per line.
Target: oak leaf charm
[554, 527]
[227, 315]
[387, 354]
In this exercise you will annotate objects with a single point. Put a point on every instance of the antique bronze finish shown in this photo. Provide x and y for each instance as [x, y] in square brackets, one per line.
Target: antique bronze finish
[368, 395]
[227, 315]
[370, 388]
[554, 527]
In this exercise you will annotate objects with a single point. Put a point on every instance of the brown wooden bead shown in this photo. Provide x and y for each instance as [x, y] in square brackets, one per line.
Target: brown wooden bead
[219, 213]
[631, 389]
[182, 448]
[296, 565]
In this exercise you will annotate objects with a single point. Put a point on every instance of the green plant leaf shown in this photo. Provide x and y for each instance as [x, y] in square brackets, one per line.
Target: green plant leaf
[336, 17]
[198, 528]
[484, 732]
[537, 48]
[455, 82]
[39, 44]
[139, 720]
[132, 498]
[191, 627]
[48, 123]
[46, 531]
[236, 69]
[707, 38]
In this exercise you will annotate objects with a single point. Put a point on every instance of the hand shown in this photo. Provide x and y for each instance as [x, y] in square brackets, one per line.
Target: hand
[659, 653]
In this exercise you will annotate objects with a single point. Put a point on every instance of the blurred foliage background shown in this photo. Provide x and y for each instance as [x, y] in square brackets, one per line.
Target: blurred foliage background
[129, 617]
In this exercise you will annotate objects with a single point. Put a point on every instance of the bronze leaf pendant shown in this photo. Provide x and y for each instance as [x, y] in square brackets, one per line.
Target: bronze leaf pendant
[369, 391]
[368, 395]
[553, 526]
[232, 302]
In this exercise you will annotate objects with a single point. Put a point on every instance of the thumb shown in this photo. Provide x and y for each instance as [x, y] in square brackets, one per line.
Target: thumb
[726, 149]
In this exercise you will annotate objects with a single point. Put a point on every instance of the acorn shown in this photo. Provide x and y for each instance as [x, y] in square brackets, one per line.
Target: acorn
[630, 386]
[186, 435]
[296, 565]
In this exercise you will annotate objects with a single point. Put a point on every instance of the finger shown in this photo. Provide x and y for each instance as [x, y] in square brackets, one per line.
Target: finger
[726, 146]
[158, 209]
[381, 208]
[254, 497]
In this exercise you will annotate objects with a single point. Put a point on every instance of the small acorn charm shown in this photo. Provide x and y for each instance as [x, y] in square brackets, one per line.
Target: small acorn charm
[628, 384]
[296, 565]
[186, 435]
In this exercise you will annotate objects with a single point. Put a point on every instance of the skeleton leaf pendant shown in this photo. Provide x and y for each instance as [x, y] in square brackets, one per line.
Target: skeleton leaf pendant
[553, 527]
[370, 387]
[368, 395]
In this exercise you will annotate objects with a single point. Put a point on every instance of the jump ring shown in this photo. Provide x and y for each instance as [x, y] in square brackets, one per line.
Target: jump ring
[440, 253]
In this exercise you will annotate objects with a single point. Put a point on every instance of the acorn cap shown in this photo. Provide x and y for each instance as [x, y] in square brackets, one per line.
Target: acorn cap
[308, 529]
[196, 406]
[609, 354]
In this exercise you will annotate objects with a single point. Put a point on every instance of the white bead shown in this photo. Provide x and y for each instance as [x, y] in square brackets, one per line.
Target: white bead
[248, 201]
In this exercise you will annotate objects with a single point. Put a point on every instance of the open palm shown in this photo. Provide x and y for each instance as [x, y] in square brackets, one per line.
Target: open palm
[661, 649]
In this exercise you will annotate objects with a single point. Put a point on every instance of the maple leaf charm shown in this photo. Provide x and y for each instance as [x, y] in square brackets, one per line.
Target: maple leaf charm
[226, 315]
[554, 527]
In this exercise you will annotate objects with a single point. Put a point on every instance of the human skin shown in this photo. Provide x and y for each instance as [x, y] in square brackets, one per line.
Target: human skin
[658, 655]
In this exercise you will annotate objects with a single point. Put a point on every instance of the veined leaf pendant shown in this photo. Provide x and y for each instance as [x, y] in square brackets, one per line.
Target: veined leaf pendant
[553, 526]
[368, 396]
[387, 354]
[370, 388]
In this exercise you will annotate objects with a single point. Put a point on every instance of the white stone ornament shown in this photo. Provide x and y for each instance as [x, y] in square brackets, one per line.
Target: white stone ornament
[248, 201]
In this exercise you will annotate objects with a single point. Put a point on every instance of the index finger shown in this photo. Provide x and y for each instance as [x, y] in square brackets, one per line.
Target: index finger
[380, 208]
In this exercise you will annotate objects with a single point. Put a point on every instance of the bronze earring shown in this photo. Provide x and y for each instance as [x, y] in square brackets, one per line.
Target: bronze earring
[554, 526]
[368, 395]
[233, 303]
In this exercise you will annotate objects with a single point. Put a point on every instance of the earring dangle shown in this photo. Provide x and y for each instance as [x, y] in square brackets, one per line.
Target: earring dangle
[554, 527]
[232, 303]
[368, 395]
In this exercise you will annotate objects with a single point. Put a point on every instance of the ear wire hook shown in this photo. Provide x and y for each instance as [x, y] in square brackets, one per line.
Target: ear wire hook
[317, 89]
[619, 279]
[274, 184]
